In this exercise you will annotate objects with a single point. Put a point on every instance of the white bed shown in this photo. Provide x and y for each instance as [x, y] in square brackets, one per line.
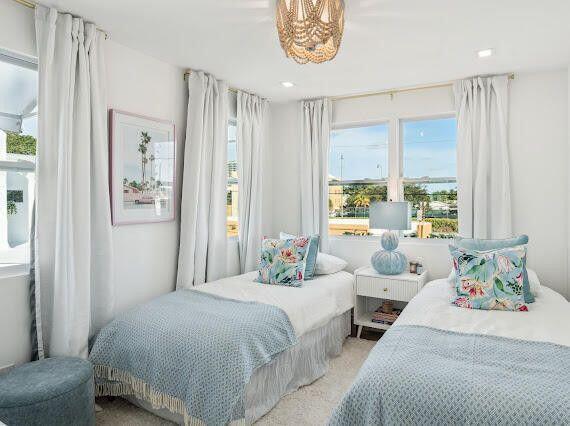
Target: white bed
[319, 312]
[441, 364]
[308, 307]
[547, 319]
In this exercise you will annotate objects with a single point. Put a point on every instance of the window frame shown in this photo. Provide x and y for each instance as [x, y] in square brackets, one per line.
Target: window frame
[395, 178]
[19, 165]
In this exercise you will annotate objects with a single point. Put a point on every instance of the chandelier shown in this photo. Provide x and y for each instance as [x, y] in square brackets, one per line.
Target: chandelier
[310, 30]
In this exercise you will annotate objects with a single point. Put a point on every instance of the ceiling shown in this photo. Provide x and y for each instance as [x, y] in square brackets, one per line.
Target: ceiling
[387, 43]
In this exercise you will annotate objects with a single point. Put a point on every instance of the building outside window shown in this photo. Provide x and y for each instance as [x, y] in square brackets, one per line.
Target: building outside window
[232, 186]
[18, 133]
[371, 162]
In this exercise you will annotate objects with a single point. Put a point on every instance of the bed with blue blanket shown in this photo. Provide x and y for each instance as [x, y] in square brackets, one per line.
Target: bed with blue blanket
[444, 365]
[225, 352]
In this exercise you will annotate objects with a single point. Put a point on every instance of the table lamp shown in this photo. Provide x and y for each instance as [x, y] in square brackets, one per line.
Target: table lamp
[391, 216]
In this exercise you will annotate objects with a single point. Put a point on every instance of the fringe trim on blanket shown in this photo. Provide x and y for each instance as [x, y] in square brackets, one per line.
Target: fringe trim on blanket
[130, 385]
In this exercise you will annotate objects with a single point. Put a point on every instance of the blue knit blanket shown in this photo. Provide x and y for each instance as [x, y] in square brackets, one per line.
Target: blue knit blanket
[190, 352]
[420, 375]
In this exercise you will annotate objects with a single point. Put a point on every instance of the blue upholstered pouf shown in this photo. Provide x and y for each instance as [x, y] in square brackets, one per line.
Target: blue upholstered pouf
[54, 391]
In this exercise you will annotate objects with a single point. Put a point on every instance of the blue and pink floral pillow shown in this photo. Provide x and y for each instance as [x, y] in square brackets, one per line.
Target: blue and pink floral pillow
[491, 279]
[283, 261]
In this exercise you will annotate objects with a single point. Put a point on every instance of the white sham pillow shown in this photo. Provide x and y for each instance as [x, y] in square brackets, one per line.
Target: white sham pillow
[328, 264]
[533, 281]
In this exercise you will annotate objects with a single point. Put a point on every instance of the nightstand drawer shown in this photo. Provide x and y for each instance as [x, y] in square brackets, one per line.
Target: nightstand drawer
[385, 288]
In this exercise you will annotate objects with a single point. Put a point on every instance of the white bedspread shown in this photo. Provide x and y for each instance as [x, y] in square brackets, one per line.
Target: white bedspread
[548, 318]
[309, 307]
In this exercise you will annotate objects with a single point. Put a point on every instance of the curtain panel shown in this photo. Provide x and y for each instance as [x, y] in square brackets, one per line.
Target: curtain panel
[203, 241]
[251, 127]
[72, 255]
[483, 195]
[316, 117]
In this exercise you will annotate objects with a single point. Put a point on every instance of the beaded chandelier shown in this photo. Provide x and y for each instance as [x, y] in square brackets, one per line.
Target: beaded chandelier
[310, 30]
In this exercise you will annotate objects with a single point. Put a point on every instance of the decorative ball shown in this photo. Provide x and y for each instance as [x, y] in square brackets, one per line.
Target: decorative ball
[389, 240]
[388, 262]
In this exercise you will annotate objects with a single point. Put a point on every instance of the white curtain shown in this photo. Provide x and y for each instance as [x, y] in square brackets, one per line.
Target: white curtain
[203, 239]
[251, 114]
[316, 119]
[484, 200]
[73, 247]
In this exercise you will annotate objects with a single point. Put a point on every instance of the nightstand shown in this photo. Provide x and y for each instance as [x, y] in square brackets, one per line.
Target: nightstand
[372, 288]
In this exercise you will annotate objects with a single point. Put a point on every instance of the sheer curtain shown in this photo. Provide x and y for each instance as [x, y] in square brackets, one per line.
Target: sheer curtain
[251, 114]
[483, 196]
[203, 239]
[72, 260]
[316, 118]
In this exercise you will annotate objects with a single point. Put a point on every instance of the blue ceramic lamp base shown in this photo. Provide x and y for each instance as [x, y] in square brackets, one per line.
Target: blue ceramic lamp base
[389, 261]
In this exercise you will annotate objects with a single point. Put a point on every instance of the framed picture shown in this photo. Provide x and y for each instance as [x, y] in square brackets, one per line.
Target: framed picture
[142, 168]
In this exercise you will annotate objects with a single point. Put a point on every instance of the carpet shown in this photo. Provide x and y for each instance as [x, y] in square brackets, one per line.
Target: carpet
[310, 405]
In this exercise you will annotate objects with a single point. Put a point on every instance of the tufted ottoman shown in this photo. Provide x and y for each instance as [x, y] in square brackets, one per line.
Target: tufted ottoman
[53, 391]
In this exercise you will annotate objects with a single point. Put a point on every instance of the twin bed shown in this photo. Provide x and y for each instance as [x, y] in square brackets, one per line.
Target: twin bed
[226, 351]
[440, 364]
[230, 357]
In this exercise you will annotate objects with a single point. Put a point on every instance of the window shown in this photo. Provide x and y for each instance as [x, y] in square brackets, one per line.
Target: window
[358, 170]
[232, 187]
[412, 160]
[18, 123]
[430, 175]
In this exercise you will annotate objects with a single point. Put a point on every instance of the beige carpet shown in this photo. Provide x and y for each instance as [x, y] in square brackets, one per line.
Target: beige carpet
[310, 405]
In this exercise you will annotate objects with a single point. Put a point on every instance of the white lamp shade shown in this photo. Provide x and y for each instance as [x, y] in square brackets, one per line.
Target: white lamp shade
[391, 215]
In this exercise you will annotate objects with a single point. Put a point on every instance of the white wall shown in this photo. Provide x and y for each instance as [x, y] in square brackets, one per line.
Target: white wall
[539, 160]
[146, 255]
[283, 139]
[539, 171]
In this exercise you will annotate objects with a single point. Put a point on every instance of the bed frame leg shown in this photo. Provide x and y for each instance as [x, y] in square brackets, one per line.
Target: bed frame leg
[358, 332]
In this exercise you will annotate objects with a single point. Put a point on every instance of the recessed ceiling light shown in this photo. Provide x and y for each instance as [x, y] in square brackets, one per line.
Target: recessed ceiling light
[485, 53]
[287, 84]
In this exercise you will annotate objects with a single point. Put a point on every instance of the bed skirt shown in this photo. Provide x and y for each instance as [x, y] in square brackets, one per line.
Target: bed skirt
[299, 366]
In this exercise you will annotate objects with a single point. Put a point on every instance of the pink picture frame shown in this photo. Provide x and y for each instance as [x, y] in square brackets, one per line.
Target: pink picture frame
[142, 169]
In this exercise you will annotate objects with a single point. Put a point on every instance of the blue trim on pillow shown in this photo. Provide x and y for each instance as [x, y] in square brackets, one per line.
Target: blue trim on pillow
[480, 244]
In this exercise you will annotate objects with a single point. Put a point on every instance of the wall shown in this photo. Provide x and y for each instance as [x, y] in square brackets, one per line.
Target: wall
[539, 171]
[146, 255]
[539, 161]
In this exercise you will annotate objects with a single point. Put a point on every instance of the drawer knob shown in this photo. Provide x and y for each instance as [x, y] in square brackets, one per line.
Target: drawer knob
[386, 289]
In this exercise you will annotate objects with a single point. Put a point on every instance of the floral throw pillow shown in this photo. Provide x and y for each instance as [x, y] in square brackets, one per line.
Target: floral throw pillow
[491, 279]
[283, 261]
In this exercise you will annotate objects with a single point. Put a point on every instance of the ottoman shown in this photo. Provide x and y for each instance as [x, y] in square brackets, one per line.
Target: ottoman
[53, 391]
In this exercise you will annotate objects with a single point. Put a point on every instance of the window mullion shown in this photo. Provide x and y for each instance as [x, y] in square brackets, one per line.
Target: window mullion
[394, 162]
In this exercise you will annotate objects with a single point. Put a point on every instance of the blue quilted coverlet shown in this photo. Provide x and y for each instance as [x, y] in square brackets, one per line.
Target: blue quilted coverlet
[419, 375]
[190, 352]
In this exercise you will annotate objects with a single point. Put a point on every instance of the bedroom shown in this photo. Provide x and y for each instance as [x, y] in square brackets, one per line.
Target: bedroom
[386, 46]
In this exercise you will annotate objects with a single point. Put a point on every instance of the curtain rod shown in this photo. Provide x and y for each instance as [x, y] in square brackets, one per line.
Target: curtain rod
[32, 5]
[231, 89]
[392, 92]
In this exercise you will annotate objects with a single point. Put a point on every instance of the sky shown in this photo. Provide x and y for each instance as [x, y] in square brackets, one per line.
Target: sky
[429, 148]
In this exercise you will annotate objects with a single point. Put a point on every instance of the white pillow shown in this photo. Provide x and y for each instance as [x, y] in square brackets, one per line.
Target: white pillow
[533, 281]
[328, 264]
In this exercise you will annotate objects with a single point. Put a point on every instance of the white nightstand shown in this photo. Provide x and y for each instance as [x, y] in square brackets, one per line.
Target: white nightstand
[371, 288]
